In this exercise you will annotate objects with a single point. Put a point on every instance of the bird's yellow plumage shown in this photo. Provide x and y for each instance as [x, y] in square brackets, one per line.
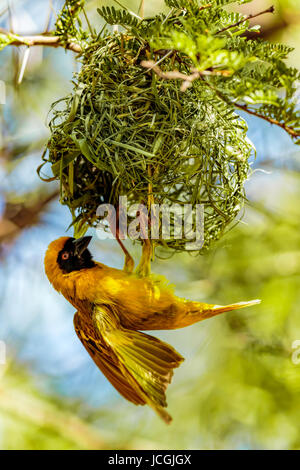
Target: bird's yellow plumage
[112, 305]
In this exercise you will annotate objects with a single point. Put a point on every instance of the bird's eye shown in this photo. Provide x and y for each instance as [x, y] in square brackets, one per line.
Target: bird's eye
[65, 255]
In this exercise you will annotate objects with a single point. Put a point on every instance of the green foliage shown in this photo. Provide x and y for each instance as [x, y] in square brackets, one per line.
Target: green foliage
[254, 71]
[6, 39]
[181, 4]
[68, 24]
[122, 17]
[124, 130]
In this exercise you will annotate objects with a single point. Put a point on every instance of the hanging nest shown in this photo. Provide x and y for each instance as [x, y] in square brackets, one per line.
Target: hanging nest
[125, 131]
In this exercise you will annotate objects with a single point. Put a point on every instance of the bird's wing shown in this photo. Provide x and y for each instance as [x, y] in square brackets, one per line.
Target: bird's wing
[105, 359]
[145, 363]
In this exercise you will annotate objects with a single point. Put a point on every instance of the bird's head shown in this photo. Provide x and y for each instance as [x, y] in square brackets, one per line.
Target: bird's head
[66, 255]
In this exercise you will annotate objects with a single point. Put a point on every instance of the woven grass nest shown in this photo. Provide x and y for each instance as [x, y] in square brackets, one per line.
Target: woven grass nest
[125, 131]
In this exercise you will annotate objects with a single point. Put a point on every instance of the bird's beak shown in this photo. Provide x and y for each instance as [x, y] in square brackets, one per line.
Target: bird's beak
[81, 244]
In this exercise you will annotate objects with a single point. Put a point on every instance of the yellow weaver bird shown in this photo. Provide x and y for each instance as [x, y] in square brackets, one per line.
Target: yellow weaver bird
[112, 305]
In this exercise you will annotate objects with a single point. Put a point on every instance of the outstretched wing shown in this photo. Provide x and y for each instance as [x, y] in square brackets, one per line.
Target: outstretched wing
[105, 359]
[146, 363]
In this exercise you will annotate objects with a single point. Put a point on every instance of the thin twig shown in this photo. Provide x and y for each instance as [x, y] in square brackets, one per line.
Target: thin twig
[176, 75]
[141, 10]
[48, 21]
[43, 40]
[246, 18]
[244, 107]
[10, 18]
[88, 22]
[290, 131]
[129, 11]
[188, 79]
[204, 7]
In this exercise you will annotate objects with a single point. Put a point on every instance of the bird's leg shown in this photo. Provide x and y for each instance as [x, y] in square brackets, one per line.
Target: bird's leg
[144, 267]
[129, 262]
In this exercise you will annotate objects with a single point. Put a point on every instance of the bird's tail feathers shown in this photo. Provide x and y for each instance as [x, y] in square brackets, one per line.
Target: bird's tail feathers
[227, 308]
[197, 311]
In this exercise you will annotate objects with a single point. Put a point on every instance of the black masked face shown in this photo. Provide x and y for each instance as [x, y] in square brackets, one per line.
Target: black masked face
[75, 255]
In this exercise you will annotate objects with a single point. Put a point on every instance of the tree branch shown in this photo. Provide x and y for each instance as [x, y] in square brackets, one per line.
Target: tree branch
[244, 107]
[246, 18]
[290, 131]
[176, 75]
[18, 216]
[42, 40]
[188, 80]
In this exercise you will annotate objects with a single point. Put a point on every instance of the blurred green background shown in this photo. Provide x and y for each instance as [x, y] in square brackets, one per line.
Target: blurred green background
[238, 388]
